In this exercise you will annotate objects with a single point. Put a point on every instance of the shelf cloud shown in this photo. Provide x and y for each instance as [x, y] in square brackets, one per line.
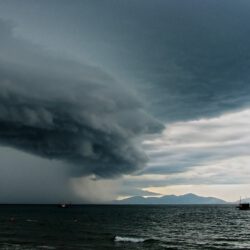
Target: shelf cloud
[60, 109]
[155, 92]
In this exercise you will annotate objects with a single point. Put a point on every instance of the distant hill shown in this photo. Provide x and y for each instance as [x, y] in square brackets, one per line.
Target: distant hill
[171, 199]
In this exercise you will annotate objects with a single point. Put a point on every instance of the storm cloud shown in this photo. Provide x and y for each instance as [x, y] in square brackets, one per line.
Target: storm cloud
[60, 109]
[85, 83]
[187, 59]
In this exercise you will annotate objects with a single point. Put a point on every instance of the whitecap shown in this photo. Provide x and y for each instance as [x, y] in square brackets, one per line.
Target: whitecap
[29, 220]
[46, 247]
[128, 239]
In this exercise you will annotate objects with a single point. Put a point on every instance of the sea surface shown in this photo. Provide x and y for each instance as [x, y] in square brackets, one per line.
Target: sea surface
[124, 227]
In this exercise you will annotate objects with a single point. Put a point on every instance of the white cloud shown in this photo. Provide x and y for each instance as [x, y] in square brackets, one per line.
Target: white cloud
[203, 153]
[185, 145]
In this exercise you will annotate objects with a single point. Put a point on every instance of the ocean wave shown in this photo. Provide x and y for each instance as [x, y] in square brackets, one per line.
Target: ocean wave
[29, 220]
[129, 239]
[46, 247]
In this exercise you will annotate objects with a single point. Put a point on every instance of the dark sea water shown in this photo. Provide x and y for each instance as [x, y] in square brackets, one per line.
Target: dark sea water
[124, 227]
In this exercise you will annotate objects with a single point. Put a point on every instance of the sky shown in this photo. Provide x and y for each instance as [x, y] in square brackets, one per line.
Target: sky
[102, 100]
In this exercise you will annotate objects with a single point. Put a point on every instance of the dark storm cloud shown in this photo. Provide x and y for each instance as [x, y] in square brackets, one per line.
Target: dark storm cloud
[193, 56]
[59, 109]
[188, 59]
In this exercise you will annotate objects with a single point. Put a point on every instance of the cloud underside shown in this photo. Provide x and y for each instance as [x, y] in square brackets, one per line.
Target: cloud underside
[59, 109]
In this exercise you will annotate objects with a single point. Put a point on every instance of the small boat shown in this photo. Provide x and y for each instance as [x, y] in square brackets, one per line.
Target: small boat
[64, 205]
[243, 206]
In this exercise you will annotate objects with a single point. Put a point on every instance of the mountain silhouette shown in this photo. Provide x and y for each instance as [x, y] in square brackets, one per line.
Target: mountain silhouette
[171, 199]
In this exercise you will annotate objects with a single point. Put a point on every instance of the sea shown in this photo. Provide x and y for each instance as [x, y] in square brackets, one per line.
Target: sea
[124, 227]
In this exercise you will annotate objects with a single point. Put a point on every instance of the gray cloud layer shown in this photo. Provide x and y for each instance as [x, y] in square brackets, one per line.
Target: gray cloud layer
[187, 59]
[59, 109]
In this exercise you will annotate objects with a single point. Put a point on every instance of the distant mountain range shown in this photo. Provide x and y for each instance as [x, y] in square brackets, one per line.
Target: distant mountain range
[171, 199]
